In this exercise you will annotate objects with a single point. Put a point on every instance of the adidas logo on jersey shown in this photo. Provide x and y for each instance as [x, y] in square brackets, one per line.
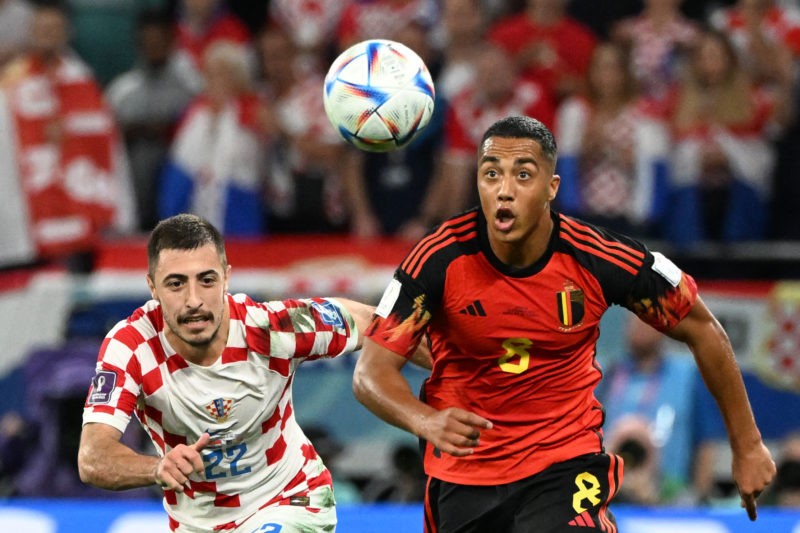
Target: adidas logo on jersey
[474, 309]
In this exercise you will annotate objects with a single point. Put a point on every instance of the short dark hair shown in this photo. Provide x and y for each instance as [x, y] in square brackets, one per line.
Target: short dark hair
[183, 232]
[523, 127]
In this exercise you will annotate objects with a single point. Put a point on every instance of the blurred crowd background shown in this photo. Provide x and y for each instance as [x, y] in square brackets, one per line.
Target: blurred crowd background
[676, 122]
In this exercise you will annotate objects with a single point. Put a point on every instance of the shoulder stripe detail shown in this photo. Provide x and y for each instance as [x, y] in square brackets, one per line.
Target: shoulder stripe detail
[428, 241]
[591, 238]
[462, 223]
[458, 237]
[578, 228]
[594, 251]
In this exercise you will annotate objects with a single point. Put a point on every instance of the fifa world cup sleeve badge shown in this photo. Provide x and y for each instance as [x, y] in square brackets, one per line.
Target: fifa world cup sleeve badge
[103, 385]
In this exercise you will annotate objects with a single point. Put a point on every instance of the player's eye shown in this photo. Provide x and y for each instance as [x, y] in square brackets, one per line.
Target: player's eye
[174, 284]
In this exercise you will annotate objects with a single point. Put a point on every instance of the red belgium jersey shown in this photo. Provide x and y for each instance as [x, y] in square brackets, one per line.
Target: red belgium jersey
[517, 346]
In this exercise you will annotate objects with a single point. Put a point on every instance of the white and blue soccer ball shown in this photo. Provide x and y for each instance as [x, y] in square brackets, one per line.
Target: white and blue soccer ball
[378, 95]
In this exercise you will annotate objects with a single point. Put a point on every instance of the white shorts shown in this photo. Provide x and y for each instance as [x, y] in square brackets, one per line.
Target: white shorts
[317, 513]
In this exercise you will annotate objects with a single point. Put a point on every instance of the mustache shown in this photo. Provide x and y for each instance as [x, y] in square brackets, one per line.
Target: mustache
[182, 319]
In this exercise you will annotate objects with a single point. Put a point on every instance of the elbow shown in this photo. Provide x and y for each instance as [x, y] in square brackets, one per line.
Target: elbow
[90, 472]
[361, 388]
[85, 470]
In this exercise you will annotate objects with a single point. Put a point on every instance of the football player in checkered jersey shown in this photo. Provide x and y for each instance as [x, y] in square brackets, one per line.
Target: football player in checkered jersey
[208, 374]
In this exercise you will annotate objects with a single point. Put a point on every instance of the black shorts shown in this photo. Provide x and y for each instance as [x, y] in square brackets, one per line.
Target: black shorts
[568, 497]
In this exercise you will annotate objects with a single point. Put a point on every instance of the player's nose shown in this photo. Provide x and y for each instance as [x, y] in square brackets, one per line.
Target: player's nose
[505, 189]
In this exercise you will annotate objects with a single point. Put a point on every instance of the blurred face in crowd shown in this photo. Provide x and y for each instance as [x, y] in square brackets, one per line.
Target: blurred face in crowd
[49, 32]
[156, 43]
[200, 10]
[755, 7]
[225, 72]
[415, 37]
[496, 72]
[644, 341]
[608, 71]
[663, 5]
[191, 287]
[714, 59]
[547, 8]
[462, 20]
[277, 55]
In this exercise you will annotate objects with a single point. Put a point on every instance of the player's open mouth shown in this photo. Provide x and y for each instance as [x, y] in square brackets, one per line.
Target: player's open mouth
[195, 320]
[503, 219]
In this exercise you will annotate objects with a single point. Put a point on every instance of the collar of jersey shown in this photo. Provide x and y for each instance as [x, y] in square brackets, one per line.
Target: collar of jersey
[506, 269]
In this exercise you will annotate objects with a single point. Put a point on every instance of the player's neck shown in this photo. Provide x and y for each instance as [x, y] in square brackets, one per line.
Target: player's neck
[526, 251]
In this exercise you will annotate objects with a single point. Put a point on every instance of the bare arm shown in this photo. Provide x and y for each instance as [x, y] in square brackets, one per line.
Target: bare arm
[103, 461]
[379, 384]
[361, 313]
[753, 467]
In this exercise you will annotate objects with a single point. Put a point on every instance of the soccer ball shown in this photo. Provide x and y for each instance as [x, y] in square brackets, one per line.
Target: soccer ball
[378, 95]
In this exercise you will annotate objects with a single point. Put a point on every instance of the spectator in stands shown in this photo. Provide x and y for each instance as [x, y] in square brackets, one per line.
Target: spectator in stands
[385, 190]
[496, 92]
[148, 101]
[311, 24]
[613, 151]
[650, 397]
[548, 45]
[15, 23]
[722, 161]
[787, 484]
[632, 439]
[328, 448]
[462, 27]
[104, 33]
[405, 483]
[17, 438]
[63, 167]
[659, 39]
[766, 37]
[773, 407]
[215, 167]
[370, 19]
[305, 155]
[39, 446]
[200, 24]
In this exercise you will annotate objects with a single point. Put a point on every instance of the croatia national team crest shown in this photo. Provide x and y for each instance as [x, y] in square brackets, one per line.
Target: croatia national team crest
[570, 305]
[777, 360]
[220, 408]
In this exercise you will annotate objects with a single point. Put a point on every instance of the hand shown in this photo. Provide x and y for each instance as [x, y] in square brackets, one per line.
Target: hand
[365, 226]
[753, 471]
[454, 431]
[173, 470]
[413, 230]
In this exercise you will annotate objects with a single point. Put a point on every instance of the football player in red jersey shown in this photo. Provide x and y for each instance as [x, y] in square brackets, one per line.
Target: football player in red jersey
[511, 295]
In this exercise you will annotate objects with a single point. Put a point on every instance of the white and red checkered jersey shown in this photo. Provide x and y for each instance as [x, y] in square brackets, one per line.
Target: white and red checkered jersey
[258, 454]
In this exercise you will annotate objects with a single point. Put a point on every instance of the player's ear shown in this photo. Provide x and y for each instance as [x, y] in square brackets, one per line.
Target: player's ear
[227, 276]
[555, 182]
[152, 286]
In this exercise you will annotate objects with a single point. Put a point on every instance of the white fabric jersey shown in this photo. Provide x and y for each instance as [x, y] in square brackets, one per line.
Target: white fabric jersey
[258, 455]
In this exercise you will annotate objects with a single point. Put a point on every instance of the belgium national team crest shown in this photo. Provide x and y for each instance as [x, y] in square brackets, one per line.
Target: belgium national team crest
[570, 305]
